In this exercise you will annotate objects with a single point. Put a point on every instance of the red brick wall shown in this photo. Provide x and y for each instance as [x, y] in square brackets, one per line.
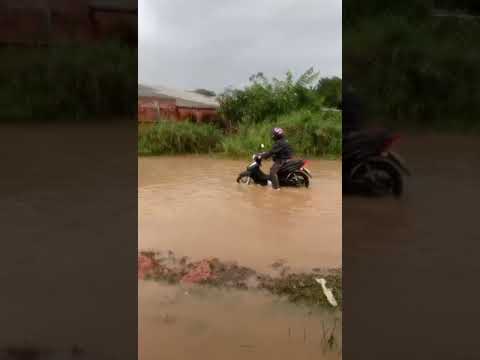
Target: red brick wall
[151, 108]
[199, 115]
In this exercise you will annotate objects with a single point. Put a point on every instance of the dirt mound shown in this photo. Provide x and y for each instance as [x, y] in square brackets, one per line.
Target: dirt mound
[297, 287]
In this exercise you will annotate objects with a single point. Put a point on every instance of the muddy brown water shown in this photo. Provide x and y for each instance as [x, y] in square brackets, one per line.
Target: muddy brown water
[193, 206]
[416, 254]
[199, 323]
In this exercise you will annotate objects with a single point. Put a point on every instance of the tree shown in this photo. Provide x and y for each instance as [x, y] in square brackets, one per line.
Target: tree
[266, 99]
[331, 91]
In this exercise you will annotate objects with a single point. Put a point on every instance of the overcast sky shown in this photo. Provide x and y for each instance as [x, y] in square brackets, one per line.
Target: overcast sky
[214, 44]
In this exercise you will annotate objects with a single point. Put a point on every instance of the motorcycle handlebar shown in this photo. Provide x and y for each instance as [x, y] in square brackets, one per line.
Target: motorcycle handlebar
[257, 157]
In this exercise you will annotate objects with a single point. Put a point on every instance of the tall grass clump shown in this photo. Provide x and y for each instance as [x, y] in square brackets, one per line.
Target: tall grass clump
[170, 137]
[247, 139]
[68, 82]
[314, 133]
[311, 133]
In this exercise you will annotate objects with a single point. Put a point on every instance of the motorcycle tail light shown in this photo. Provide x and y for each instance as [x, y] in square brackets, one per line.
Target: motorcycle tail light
[389, 142]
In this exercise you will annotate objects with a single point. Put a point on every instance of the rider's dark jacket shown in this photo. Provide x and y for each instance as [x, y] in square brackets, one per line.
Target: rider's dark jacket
[352, 113]
[281, 150]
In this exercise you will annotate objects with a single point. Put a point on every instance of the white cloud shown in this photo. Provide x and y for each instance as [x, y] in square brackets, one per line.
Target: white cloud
[217, 43]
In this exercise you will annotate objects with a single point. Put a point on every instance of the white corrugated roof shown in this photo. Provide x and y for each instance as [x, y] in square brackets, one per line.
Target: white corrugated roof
[144, 90]
[182, 97]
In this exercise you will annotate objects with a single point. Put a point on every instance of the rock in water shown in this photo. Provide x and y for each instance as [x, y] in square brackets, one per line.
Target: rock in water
[328, 292]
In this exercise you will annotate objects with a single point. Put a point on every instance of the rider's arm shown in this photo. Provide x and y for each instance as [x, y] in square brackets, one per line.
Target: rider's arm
[268, 154]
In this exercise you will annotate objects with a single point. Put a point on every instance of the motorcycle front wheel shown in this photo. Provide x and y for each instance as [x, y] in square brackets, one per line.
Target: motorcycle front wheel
[244, 178]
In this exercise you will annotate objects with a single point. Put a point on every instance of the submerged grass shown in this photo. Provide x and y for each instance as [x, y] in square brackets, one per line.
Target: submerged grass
[304, 289]
[311, 133]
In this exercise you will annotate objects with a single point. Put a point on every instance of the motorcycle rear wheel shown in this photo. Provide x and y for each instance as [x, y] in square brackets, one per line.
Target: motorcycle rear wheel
[380, 178]
[298, 179]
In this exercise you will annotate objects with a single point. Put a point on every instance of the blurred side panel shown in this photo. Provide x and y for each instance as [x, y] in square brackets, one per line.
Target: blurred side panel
[410, 262]
[68, 189]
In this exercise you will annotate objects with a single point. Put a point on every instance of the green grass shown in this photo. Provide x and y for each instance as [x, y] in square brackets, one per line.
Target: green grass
[314, 134]
[68, 82]
[169, 137]
[415, 71]
[317, 134]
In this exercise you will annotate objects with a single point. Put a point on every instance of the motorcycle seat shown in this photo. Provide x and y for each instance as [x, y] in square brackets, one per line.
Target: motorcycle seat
[291, 165]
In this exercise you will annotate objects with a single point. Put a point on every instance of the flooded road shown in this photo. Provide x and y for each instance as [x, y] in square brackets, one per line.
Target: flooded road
[445, 172]
[202, 323]
[193, 206]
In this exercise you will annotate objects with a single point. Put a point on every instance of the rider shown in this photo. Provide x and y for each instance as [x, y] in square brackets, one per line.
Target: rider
[352, 112]
[281, 152]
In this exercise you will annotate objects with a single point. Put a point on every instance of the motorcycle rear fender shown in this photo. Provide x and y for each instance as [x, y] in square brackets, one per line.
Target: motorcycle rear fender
[306, 171]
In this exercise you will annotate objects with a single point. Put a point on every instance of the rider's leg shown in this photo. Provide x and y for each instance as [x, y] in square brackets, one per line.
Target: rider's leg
[274, 174]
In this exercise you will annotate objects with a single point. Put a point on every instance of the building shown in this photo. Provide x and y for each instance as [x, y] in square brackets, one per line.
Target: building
[163, 103]
[43, 22]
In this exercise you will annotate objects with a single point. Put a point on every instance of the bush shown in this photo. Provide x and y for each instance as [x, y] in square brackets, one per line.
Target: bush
[265, 100]
[169, 137]
[317, 133]
[406, 81]
[330, 89]
[314, 133]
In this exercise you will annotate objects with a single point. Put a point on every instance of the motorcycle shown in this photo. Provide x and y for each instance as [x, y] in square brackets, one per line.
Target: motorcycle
[369, 166]
[293, 173]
